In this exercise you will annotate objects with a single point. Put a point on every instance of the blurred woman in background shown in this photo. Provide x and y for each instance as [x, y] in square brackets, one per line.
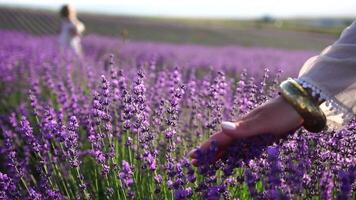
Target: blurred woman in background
[71, 30]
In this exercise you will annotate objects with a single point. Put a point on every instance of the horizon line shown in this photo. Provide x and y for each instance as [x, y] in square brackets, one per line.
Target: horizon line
[218, 17]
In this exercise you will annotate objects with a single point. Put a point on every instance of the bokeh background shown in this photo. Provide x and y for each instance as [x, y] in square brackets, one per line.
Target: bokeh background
[303, 24]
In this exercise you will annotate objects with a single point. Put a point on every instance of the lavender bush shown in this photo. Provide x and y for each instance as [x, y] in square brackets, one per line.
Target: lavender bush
[118, 124]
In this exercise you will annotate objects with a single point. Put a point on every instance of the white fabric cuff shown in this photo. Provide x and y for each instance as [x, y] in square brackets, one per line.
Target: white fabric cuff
[336, 113]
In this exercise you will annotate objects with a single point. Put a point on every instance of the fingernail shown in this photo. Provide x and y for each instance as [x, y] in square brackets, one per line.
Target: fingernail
[228, 125]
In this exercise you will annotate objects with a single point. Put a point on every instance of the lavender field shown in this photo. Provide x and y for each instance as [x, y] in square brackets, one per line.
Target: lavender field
[118, 124]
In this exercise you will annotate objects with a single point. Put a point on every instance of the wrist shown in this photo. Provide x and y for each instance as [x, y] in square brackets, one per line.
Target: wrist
[308, 108]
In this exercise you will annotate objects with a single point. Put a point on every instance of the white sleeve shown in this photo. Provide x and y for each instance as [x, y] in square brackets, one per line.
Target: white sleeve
[332, 77]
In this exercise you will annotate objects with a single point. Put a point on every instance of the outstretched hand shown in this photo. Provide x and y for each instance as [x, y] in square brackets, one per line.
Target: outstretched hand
[275, 117]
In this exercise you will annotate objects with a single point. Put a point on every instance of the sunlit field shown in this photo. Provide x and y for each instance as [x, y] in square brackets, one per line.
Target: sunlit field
[119, 123]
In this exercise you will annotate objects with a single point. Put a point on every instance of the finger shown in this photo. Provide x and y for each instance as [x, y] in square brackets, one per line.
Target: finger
[195, 162]
[203, 147]
[206, 145]
[222, 141]
[219, 154]
[229, 128]
[192, 153]
[240, 129]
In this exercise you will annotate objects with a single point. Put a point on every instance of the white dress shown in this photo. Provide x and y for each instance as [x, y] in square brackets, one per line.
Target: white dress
[70, 35]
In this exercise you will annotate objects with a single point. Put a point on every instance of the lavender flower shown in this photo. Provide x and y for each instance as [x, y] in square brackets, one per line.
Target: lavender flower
[326, 185]
[275, 168]
[250, 180]
[126, 176]
[26, 130]
[71, 142]
[121, 131]
[7, 187]
[347, 178]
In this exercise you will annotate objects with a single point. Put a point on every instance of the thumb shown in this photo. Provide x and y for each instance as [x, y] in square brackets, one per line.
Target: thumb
[235, 129]
[229, 128]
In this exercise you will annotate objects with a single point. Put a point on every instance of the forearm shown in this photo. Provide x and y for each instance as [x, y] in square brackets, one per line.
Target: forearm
[274, 117]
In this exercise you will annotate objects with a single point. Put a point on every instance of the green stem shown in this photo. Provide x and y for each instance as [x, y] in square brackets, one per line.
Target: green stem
[86, 193]
[25, 185]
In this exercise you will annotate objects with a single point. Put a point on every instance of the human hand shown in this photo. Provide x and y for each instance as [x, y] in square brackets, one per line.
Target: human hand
[275, 117]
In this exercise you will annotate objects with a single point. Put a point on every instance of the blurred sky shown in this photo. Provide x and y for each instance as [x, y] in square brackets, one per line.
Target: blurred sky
[204, 8]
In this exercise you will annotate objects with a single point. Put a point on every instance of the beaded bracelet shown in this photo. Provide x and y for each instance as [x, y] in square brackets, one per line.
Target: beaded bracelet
[304, 104]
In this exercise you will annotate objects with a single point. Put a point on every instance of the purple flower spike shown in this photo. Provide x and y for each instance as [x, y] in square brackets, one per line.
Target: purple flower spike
[126, 176]
[347, 178]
